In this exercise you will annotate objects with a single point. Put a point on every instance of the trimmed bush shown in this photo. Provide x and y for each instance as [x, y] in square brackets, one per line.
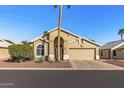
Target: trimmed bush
[21, 52]
[42, 59]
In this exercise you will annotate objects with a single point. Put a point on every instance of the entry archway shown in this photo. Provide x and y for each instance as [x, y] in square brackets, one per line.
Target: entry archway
[56, 48]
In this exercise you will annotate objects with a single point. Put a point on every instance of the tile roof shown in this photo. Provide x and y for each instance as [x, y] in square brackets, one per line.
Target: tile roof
[121, 46]
[81, 37]
[112, 44]
[5, 43]
[40, 37]
[67, 31]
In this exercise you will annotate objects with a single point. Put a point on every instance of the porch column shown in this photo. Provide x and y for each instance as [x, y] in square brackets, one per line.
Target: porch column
[66, 50]
[51, 50]
[111, 54]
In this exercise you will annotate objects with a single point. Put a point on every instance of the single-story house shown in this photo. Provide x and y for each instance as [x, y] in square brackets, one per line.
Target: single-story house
[72, 46]
[112, 50]
[4, 53]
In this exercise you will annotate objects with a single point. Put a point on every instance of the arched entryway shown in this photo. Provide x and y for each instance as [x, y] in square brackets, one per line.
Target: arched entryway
[56, 48]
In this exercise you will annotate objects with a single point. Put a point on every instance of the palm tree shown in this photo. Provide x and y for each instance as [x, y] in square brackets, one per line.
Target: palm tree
[25, 42]
[121, 32]
[45, 32]
[59, 28]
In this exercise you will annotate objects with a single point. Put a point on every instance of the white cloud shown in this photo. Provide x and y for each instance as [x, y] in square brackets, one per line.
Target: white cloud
[13, 16]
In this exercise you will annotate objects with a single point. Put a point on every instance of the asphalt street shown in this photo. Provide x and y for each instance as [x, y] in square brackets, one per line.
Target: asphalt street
[61, 78]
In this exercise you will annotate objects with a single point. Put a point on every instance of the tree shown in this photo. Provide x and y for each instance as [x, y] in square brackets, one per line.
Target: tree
[25, 42]
[59, 28]
[121, 32]
[21, 52]
[45, 32]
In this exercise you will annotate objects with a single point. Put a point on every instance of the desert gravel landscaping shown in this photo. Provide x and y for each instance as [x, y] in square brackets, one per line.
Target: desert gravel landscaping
[115, 62]
[71, 65]
[33, 64]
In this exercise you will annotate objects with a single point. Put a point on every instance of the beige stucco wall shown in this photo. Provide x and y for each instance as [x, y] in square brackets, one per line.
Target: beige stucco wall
[69, 42]
[84, 44]
[119, 54]
[106, 53]
[52, 36]
[4, 53]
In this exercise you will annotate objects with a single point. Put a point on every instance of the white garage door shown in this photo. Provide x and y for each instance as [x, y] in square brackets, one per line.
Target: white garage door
[81, 54]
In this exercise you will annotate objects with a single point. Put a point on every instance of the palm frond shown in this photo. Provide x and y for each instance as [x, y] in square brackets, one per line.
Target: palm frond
[25, 42]
[55, 6]
[45, 32]
[121, 31]
[68, 6]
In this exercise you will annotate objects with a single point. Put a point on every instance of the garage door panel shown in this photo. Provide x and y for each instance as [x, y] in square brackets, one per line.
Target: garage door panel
[4, 53]
[81, 54]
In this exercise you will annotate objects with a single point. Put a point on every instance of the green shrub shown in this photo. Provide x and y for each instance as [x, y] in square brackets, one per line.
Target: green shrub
[21, 52]
[46, 58]
[42, 59]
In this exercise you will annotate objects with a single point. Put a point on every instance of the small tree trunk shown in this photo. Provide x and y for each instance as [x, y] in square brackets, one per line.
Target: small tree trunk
[59, 28]
[121, 36]
[20, 60]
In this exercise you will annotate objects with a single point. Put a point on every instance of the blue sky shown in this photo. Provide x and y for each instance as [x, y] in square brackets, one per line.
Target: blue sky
[100, 23]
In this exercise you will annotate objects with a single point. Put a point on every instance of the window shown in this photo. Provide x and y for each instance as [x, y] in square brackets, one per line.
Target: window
[40, 50]
[114, 53]
[77, 40]
[101, 53]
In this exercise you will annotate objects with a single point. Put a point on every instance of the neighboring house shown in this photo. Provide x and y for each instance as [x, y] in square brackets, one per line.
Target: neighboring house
[112, 50]
[4, 53]
[72, 46]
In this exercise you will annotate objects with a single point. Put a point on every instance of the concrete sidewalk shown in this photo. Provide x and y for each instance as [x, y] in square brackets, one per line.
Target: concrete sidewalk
[60, 69]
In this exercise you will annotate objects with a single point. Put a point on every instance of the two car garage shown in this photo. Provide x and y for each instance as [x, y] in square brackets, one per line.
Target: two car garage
[82, 53]
[4, 52]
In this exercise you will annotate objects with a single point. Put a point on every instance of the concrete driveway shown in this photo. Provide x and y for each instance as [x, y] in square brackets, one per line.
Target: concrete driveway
[94, 65]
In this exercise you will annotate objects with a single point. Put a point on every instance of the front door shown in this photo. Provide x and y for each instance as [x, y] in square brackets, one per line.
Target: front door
[56, 48]
[61, 52]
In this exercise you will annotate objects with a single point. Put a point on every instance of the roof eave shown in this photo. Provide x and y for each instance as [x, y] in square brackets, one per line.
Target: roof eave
[74, 35]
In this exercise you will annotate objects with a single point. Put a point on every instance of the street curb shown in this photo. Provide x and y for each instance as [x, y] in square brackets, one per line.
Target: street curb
[61, 69]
